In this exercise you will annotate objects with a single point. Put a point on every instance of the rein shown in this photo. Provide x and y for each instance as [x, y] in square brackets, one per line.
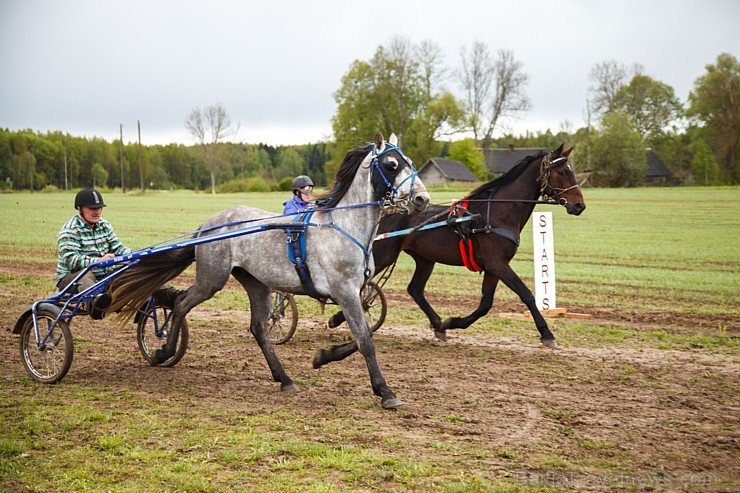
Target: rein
[545, 202]
[246, 221]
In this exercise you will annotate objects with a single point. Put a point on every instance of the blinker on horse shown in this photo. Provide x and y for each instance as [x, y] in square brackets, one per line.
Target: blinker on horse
[371, 181]
[496, 213]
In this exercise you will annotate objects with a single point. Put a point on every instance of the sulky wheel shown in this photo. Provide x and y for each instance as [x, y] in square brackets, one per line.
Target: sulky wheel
[152, 329]
[283, 317]
[374, 304]
[51, 361]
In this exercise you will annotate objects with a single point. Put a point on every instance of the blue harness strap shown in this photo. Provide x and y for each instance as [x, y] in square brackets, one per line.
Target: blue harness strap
[296, 240]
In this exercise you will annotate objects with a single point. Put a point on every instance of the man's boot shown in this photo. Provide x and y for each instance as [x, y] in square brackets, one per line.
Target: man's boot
[99, 304]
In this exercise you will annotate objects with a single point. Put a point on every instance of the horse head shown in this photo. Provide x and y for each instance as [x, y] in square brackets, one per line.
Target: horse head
[394, 177]
[558, 181]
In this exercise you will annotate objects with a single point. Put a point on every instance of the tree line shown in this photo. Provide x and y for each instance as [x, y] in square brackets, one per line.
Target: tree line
[407, 89]
[34, 161]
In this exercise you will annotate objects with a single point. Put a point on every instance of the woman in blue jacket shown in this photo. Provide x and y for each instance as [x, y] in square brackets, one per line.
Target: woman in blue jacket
[301, 201]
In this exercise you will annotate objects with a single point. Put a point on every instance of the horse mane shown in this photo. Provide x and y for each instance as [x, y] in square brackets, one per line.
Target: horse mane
[497, 183]
[345, 175]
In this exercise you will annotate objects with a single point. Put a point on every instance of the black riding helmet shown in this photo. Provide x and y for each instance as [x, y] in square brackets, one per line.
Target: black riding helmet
[301, 181]
[88, 197]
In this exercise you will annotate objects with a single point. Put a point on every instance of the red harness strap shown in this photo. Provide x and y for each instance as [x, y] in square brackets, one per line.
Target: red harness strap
[468, 258]
[459, 209]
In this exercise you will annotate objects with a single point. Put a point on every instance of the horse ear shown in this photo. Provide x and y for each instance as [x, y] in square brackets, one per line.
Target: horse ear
[566, 153]
[559, 150]
[378, 140]
[393, 139]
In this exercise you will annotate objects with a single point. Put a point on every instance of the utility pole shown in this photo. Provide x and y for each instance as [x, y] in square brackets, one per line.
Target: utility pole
[64, 147]
[123, 187]
[141, 168]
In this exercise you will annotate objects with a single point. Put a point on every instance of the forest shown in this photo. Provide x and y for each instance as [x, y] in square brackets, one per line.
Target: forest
[403, 89]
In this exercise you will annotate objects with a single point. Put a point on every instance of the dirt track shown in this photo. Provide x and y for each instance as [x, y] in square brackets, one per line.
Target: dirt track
[581, 418]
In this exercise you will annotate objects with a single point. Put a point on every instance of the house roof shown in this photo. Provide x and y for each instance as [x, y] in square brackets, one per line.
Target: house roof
[451, 170]
[655, 166]
[502, 160]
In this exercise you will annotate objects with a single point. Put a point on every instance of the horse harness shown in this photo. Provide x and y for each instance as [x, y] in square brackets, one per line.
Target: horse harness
[295, 231]
[465, 229]
[295, 237]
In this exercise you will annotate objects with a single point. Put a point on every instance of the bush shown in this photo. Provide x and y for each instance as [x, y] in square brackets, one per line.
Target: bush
[286, 184]
[255, 184]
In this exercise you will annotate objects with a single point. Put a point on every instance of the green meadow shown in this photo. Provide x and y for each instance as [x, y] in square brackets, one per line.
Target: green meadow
[666, 245]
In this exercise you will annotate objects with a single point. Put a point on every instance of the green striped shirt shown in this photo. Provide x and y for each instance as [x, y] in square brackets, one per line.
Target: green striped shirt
[80, 244]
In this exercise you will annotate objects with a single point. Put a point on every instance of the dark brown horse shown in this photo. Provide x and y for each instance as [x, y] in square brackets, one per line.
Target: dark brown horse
[497, 212]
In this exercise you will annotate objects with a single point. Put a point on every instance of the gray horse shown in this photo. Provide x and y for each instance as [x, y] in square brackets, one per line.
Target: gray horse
[370, 182]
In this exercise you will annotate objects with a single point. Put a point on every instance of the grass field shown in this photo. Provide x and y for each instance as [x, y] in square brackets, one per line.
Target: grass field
[680, 244]
[643, 397]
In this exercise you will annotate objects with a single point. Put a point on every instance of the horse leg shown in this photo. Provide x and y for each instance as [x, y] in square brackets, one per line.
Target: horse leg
[513, 282]
[385, 254]
[334, 353]
[351, 305]
[336, 320]
[338, 352]
[490, 282]
[259, 304]
[184, 302]
[415, 289]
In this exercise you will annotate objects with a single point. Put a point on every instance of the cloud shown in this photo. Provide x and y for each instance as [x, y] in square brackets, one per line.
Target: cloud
[84, 67]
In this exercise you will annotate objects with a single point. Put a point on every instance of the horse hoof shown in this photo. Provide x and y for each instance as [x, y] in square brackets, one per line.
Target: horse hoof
[157, 358]
[334, 322]
[318, 359]
[394, 403]
[441, 335]
[550, 343]
[291, 388]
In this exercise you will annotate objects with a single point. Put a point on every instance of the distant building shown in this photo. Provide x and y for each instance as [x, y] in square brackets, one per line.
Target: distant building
[438, 170]
[657, 173]
[502, 160]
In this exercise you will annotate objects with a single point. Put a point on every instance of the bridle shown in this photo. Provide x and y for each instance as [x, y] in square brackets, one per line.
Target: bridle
[545, 179]
[392, 202]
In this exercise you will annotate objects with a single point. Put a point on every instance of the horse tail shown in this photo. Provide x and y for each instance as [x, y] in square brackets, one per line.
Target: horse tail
[133, 287]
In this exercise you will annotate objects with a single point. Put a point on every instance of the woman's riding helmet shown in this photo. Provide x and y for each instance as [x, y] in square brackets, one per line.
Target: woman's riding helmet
[302, 181]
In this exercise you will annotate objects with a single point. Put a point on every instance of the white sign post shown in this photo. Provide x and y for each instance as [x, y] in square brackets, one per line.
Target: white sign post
[544, 260]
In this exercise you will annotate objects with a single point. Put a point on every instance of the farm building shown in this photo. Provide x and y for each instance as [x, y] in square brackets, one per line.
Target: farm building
[656, 173]
[438, 170]
[502, 160]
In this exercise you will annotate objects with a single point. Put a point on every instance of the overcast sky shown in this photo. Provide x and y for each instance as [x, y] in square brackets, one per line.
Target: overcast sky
[86, 66]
